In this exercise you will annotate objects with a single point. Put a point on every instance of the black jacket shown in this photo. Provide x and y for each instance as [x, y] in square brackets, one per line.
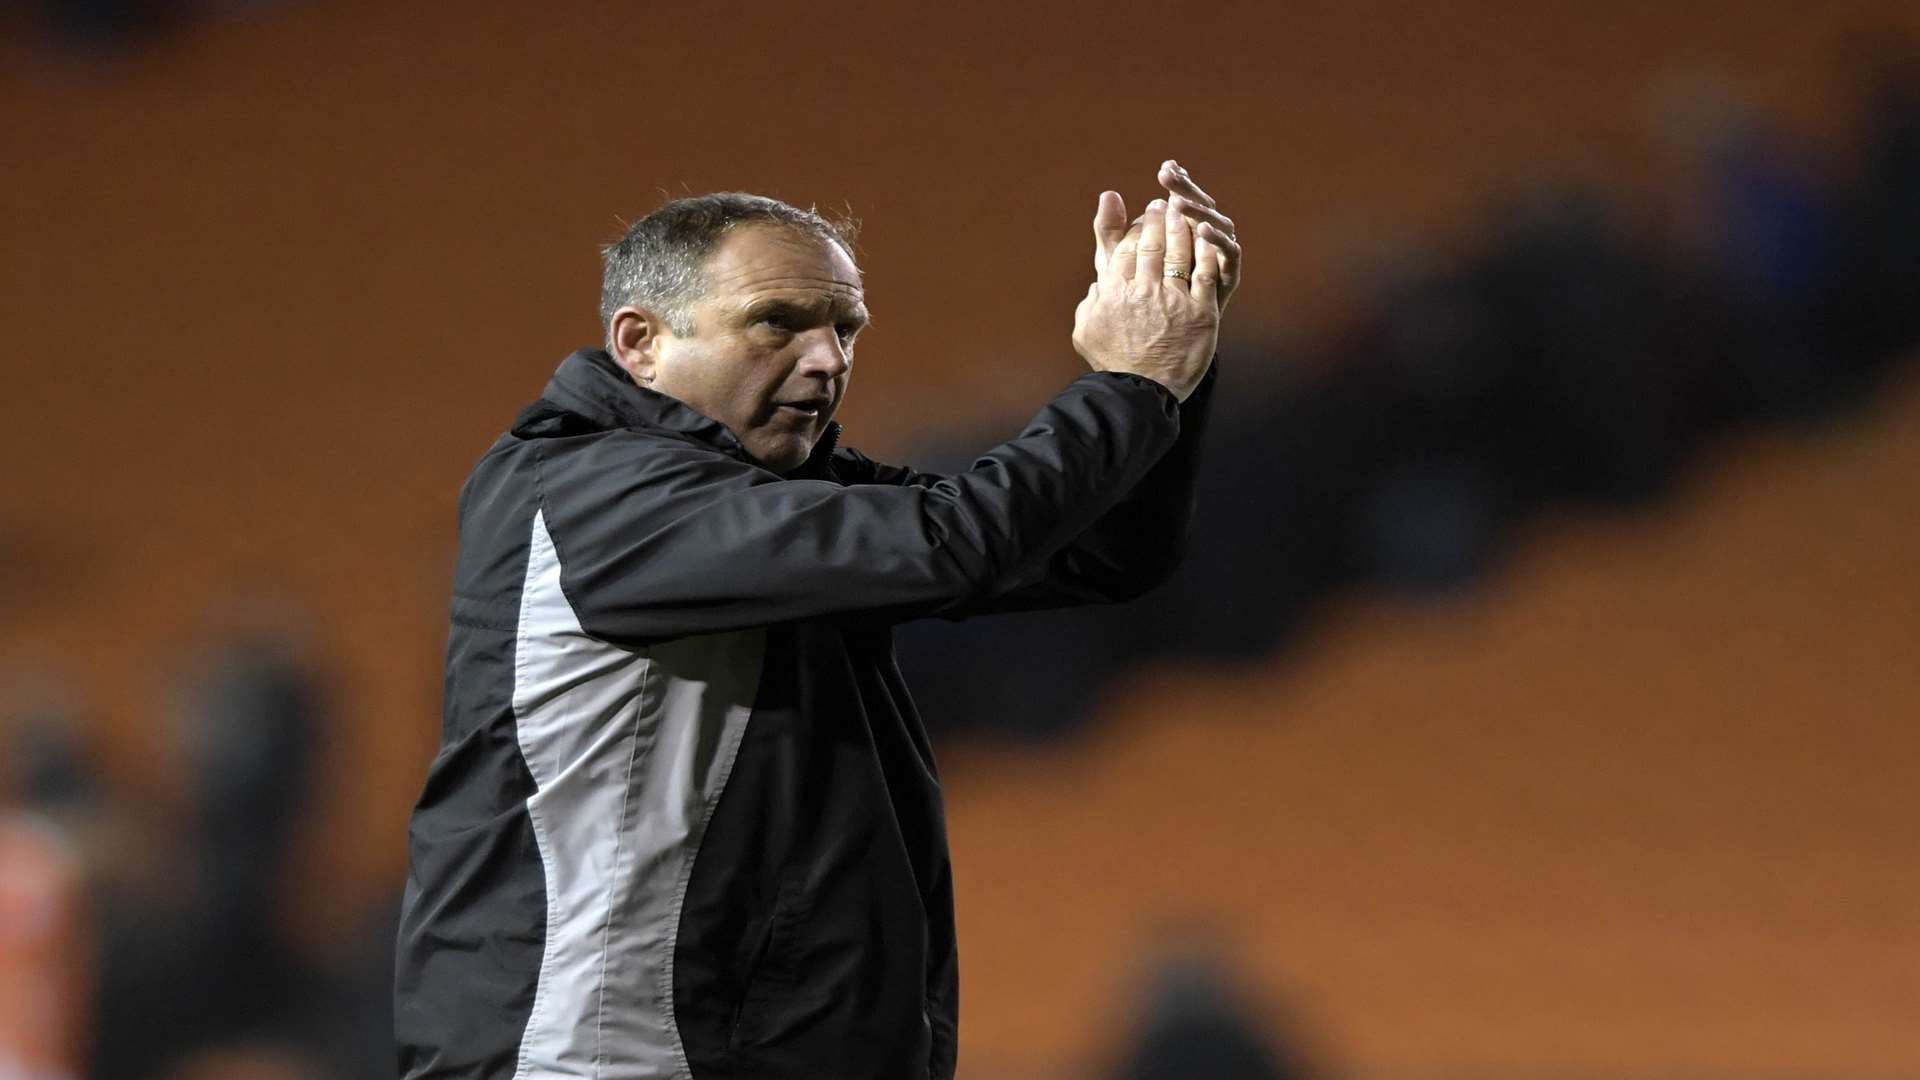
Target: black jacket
[685, 821]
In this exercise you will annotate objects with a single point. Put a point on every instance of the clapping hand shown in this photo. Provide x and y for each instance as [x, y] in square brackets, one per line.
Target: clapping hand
[1211, 228]
[1154, 309]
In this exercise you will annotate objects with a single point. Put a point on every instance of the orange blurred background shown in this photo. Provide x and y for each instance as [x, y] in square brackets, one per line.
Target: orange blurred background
[1638, 803]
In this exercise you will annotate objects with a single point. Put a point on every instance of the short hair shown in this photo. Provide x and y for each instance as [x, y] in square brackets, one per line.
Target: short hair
[658, 264]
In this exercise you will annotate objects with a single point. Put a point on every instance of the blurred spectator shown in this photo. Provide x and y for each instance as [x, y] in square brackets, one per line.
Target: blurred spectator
[255, 721]
[1880, 311]
[1269, 530]
[197, 968]
[46, 803]
[1592, 403]
[1196, 1023]
[43, 942]
[46, 769]
[1422, 377]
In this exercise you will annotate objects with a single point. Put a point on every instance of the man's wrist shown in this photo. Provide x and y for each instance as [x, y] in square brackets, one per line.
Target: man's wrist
[1139, 379]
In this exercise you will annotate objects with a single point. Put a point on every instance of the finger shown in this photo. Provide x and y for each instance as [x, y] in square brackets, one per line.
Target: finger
[1120, 263]
[1177, 180]
[1205, 286]
[1182, 184]
[1151, 252]
[1179, 258]
[1207, 215]
[1109, 227]
[1129, 242]
[1229, 248]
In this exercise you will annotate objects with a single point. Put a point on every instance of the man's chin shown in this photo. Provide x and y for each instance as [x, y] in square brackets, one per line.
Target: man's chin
[787, 455]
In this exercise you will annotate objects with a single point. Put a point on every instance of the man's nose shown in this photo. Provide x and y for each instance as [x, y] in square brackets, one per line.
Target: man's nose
[825, 353]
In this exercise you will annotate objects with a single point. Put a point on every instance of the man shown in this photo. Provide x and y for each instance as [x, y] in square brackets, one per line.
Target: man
[685, 821]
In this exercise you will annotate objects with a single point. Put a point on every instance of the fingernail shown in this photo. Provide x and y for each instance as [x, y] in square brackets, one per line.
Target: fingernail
[1157, 204]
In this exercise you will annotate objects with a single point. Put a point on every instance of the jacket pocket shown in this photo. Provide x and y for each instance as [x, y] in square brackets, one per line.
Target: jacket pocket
[767, 956]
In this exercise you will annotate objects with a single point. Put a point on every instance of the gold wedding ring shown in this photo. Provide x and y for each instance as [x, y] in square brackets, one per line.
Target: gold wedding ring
[1181, 274]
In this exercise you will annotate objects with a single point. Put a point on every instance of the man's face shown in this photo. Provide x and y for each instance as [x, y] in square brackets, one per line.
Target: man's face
[772, 345]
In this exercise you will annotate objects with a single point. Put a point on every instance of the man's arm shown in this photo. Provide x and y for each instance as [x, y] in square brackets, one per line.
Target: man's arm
[659, 538]
[1131, 549]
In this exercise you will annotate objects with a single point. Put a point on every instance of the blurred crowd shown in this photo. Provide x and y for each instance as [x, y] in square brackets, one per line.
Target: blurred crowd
[1580, 349]
[143, 945]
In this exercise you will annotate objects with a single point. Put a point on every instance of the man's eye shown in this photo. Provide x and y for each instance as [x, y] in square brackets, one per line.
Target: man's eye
[778, 320]
[847, 331]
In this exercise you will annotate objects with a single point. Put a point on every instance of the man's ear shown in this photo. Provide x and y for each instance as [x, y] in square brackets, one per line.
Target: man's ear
[633, 337]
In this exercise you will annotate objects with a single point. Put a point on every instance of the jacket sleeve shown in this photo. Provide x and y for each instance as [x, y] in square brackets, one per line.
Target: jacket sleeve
[1128, 551]
[658, 537]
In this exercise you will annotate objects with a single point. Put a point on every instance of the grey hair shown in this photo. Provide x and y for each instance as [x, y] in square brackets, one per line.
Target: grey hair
[657, 264]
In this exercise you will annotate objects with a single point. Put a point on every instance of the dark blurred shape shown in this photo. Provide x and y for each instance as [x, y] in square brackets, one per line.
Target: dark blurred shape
[248, 1061]
[1570, 354]
[1879, 312]
[1270, 522]
[48, 801]
[254, 728]
[94, 24]
[187, 971]
[353, 1029]
[1418, 376]
[1774, 257]
[46, 767]
[206, 964]
[977, 675]
[1196, 1023]
[109, 29]
[1429, 524]
[1592, 402]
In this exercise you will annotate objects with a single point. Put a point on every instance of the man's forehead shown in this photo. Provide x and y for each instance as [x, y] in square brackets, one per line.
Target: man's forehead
[761, 259]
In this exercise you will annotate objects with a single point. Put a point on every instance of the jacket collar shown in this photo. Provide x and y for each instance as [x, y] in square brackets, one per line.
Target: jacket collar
[590, 384]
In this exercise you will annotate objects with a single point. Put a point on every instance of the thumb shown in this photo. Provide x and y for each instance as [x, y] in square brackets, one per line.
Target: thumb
[1109, 225]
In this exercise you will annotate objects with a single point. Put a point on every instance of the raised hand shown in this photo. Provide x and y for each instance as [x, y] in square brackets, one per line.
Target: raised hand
[1210, 225]
[1154, 310]
[1188, 199]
